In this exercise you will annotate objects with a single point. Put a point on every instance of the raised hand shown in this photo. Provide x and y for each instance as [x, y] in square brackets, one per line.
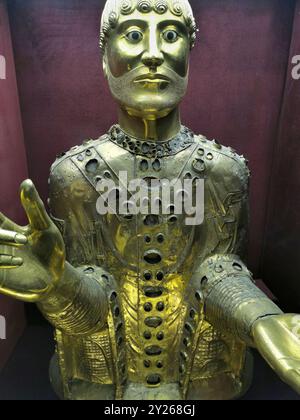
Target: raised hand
[278, 340]
[32, 258]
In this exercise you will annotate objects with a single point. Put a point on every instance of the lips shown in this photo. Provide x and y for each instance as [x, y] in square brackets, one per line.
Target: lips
[152, 78]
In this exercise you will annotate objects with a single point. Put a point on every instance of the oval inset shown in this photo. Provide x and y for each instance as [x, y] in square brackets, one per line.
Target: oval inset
[153, 321]
[153, 292]
[92, 166]
[152, 257]
[153, 350]
[153, 379]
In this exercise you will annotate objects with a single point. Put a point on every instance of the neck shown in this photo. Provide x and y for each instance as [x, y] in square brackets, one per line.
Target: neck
[160, 129]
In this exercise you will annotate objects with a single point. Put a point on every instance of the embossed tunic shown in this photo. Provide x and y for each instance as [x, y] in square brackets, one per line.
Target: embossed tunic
[174, 290]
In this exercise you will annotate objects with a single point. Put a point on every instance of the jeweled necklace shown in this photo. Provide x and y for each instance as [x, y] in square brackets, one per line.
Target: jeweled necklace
[152, 149]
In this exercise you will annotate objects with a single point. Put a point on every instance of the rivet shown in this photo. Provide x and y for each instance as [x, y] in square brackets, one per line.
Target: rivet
[160, 238]
[160, 306]
[148, 307]
[147, 335]
[147, 275]
[160, 336]
[147, 239]
[159, 275]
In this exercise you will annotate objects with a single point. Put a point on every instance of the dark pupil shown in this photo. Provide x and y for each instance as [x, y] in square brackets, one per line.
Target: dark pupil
[171, 36]
[135, 36]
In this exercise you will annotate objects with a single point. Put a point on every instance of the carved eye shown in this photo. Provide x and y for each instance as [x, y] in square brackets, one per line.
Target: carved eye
[170, 36]
[134, 36]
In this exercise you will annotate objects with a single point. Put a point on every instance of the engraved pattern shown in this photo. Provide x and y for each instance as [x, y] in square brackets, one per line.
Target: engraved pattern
[95, 359]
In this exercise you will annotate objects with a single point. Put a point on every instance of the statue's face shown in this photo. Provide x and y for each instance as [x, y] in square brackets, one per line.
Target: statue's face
[146, 63]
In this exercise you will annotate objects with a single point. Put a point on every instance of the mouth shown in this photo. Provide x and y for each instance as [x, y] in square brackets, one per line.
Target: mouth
[152, 78]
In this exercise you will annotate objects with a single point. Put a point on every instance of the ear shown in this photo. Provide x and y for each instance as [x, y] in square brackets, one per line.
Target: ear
[104, 65]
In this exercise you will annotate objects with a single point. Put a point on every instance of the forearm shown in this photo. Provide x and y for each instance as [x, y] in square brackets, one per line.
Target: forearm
[78, 304]
[232, 302]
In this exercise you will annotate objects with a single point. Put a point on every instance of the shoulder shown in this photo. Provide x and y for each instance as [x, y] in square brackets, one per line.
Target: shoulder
[221, 163]
[67, 166]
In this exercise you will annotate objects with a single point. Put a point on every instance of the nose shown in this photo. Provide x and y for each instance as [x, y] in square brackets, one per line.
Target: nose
[153, 57]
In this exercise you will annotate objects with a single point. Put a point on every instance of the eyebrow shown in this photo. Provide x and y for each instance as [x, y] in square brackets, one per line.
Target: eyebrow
[173, 22]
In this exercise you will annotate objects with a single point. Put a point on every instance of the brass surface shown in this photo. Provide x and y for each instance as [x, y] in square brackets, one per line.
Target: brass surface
[145, 306]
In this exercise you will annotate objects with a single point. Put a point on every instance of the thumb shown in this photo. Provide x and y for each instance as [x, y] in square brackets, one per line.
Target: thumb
[33, 206]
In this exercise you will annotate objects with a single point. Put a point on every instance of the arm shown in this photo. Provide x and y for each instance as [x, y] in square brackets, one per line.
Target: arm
[78, 304]
[33, 268]
[232, 302]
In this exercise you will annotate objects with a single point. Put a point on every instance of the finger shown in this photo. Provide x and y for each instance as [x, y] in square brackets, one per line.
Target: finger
[9, 261]
[10, 237]
[34, 207]
[6, 223]
[24, 297]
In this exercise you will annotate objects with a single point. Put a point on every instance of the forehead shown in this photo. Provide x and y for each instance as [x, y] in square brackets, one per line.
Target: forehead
[150, 18]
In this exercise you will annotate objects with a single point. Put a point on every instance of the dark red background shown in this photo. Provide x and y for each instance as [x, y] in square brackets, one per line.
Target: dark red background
[13, 169]
[241, 92]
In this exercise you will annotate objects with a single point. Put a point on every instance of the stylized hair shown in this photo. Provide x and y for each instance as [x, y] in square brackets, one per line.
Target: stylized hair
[114, 8]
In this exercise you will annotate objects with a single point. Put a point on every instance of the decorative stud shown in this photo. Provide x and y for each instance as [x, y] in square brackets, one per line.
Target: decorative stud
[161, 7]
[126, 7]
[199, 165]
[144, 6]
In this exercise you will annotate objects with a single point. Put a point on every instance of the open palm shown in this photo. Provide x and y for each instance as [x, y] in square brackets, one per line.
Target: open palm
[32, 258]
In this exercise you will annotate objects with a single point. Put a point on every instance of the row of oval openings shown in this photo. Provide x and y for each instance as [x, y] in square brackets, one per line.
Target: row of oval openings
[148, 307]
[93, 165]
[148, 275]
[145, 164]
[160, 238]
[156, 205]
[148, 335]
